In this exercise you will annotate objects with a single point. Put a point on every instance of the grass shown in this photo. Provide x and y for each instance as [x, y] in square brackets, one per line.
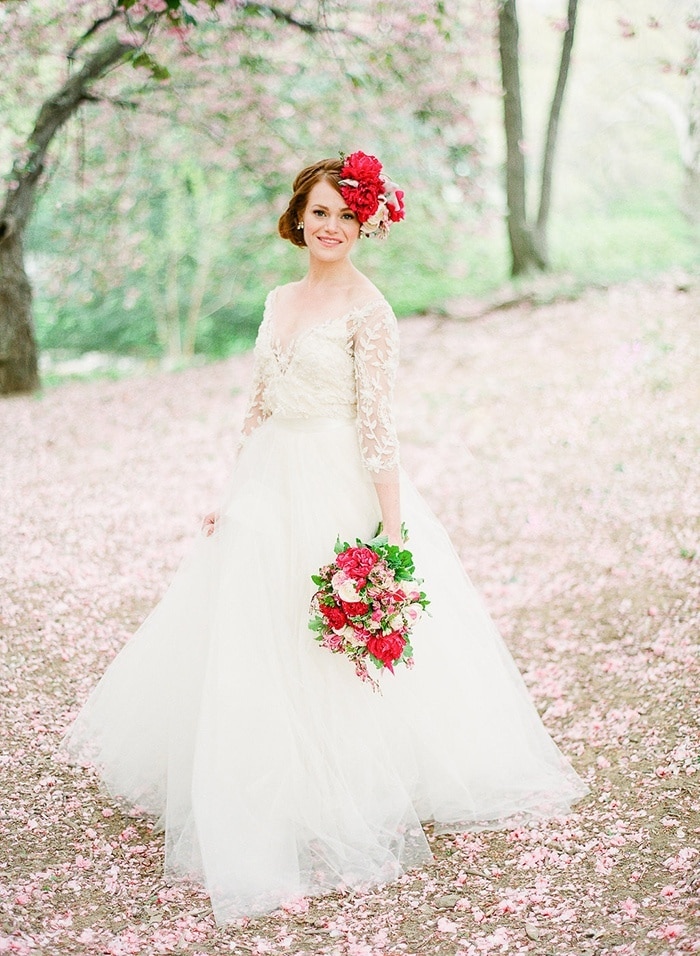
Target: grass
[625, 241]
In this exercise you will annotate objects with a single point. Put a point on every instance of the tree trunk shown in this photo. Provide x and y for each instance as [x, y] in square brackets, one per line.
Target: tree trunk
[528, 244]
[19, 370]
[553, 130]
[524, 254]
[172, 306]
[18, 352]
[199, 287]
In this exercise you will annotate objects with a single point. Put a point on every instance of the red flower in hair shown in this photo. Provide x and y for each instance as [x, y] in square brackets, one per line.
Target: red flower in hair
[371, 195]
[362, 167]
[396, 212]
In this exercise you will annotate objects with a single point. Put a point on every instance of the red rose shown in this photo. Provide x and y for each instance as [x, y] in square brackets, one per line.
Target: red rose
[357, 563]
[334, 615]
[388, 648]
[355, 608]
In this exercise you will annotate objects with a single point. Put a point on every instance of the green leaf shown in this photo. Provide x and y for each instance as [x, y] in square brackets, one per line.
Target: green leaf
[145, 60]
[340, 547]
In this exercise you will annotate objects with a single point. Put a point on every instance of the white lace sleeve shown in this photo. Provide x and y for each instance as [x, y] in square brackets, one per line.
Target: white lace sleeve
[376, 350]
[256, 412]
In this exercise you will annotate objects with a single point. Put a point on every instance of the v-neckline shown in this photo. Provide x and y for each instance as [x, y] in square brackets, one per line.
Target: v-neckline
[285, 353]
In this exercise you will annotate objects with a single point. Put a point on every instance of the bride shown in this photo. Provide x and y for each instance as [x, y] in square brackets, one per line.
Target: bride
[272, 769]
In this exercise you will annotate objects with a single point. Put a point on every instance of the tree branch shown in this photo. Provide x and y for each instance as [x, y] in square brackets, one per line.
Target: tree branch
[306, 26]
[52, 116]
[112, 15]
[554, 114]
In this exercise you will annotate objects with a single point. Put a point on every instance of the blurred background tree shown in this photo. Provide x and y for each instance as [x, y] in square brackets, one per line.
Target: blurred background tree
[210, 132]
[154, 225]
[528, 242]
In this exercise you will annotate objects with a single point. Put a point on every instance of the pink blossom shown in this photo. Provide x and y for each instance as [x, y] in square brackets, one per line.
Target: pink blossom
[672, 931]
[629, 908]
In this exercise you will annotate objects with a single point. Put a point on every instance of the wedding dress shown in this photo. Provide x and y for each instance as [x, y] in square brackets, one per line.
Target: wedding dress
[274, 771]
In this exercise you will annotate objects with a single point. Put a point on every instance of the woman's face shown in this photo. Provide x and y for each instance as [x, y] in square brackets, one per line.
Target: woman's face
[330, 228]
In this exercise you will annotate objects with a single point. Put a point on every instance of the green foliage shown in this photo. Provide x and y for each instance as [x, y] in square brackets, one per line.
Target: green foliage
[629, 239]
[145, 61]
[156, 217]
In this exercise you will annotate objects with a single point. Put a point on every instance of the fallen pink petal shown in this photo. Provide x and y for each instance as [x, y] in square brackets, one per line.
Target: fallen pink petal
[558, 444]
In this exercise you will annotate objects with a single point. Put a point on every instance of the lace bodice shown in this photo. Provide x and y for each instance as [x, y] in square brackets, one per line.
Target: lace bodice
[344, 367]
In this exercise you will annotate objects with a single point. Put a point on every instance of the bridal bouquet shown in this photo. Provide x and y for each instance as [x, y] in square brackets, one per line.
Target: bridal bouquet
[367, 603]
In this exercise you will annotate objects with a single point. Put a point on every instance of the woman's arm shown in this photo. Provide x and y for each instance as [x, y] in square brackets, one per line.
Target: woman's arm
[255, 415]
[390, 503]
[376, 350]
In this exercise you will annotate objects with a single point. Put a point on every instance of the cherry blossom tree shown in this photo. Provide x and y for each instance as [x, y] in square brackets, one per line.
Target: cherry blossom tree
[96, 51]
[220, 73]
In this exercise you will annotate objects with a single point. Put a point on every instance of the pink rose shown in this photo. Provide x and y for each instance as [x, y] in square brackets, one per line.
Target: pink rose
[357, 563]
[333, 640]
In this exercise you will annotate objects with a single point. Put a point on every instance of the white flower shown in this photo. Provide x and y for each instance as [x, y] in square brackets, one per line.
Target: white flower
[377, 225]
[344, 587]
[351, 636]
[412, 614]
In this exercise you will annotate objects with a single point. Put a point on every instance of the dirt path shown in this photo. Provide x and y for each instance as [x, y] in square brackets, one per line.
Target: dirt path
[560, 447]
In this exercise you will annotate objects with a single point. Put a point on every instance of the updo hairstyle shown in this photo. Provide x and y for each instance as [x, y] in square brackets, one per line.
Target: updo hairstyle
[328, 169]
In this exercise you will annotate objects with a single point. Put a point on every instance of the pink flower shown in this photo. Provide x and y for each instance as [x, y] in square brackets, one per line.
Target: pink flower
[629, 908]
[357, 563]
[333, 640]
[672, 931]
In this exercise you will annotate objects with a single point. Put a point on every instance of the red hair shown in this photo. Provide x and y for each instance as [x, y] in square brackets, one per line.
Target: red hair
[327, 170]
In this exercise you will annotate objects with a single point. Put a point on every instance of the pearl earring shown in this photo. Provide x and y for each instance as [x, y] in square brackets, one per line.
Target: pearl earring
[300, 225]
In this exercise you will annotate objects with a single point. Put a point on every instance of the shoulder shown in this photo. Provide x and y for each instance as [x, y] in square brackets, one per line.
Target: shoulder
[374, 332]
[363, 292]
[279, 290]
[284, 290]
[374, 312]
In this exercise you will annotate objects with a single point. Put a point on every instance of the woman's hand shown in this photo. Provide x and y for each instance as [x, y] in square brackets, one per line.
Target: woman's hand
[209, 523]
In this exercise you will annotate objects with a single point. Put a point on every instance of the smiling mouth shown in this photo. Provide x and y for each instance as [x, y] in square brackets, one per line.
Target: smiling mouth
[326, 240]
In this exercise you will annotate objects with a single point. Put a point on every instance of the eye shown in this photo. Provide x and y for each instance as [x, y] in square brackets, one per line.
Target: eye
[319, 212]
[349, 215]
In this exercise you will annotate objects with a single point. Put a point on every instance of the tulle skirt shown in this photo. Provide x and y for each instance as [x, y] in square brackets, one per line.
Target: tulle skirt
[274, 771]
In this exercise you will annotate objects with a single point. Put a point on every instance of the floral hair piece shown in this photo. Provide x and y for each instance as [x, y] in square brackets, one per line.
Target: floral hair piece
[372, 196]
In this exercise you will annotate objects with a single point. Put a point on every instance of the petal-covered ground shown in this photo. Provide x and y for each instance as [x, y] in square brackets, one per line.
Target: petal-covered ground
[561, 448]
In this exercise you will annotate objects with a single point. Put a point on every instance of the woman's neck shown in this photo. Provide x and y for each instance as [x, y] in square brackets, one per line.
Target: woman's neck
[329, 275]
